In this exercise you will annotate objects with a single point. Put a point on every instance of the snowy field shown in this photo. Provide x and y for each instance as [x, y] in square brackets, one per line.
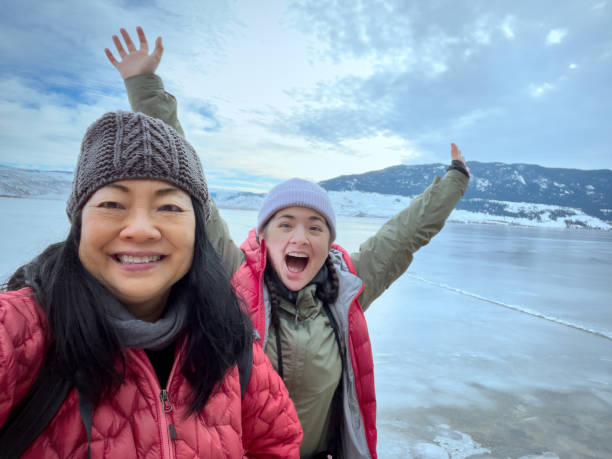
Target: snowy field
[497, 342]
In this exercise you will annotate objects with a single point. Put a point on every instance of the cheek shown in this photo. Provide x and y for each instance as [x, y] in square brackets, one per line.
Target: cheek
[274, 256]
[323, 245]
[90, 235]
[184, 238]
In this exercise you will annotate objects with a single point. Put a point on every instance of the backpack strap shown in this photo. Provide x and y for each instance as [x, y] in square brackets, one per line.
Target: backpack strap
[86, 412]
[245, 365]
[33, 413]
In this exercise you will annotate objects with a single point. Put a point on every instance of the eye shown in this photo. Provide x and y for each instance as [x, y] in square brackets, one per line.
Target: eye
[110, 205]
[284, 225]
[315, 228]
[170, 208]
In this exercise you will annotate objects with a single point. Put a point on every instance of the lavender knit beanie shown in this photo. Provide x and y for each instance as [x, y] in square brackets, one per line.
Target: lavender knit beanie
[297, 192]
[126, 145]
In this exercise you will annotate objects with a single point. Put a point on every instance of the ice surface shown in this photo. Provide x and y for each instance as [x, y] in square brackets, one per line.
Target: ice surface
[458, 374]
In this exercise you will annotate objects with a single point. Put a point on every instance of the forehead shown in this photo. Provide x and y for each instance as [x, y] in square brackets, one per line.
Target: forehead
[298, 212]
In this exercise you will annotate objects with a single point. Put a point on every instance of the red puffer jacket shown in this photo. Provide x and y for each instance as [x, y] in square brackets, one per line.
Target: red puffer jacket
[134, 423]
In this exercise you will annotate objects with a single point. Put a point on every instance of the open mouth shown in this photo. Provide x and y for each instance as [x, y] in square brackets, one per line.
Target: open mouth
[131, 260]
[296, 262]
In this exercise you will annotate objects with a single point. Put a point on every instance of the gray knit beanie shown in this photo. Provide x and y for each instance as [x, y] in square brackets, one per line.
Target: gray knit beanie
[297, 192]
[127, 145]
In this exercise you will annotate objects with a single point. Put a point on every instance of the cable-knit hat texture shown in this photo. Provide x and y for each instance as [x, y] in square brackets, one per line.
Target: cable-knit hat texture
[297, 192]
[126, 145]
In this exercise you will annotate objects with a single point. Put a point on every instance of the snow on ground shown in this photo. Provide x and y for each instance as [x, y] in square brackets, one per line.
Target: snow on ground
[362, 204]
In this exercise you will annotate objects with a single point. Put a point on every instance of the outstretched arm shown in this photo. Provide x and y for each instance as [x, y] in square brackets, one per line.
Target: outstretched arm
[145, 89]
[386, 255]
[147, 95]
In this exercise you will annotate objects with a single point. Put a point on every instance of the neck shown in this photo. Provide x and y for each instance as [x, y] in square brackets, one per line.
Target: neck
[291, 295]
[148, 311]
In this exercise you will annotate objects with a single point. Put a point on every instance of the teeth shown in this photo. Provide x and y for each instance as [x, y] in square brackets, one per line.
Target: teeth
[127, 259]
[297, 255]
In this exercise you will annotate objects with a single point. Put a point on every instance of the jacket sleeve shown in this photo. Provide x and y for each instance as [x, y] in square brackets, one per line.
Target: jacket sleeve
[22, 346]
[270, 426]
[147, 95]
[386, 255]
[218, 234]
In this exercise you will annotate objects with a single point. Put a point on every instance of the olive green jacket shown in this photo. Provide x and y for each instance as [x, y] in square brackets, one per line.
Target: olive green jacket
[312, 364]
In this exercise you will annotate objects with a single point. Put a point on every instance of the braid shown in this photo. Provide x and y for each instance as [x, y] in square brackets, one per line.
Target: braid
[274, 304]
[329, 291]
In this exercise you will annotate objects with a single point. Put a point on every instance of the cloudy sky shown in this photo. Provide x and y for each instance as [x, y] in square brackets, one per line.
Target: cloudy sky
[269, 90]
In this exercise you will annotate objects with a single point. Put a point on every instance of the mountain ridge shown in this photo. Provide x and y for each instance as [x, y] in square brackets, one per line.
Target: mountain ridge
[589, 191]
[498, 193]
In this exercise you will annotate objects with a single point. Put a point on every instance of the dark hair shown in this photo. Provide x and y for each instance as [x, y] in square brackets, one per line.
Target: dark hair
[83, 347]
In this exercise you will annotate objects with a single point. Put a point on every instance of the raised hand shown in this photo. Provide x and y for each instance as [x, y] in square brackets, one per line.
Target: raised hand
[456, 154]
[135, 61]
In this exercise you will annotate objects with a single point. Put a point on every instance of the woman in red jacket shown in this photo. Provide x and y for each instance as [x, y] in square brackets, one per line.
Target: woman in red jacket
[124, 340]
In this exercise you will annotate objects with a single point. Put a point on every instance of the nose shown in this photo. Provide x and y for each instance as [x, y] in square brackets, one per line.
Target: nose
[299, 235]
[140, 227]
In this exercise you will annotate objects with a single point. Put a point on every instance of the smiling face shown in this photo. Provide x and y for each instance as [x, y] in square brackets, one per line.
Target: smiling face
[137, 239]
[297, 244]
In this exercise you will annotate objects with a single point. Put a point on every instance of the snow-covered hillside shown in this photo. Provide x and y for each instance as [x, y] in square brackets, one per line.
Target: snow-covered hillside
[19, 183]
[26, 183]
[362, 204]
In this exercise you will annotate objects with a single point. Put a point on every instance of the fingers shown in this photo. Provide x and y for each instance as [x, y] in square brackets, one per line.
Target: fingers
[128, 40]
[111, 58]
[455, 152]
[119, 46]
[144, 45]
[159, 49]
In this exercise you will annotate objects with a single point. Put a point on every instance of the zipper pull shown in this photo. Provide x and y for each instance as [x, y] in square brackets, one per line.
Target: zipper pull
[167, 406]
[173, 435]
[295, 320]
[163, 395]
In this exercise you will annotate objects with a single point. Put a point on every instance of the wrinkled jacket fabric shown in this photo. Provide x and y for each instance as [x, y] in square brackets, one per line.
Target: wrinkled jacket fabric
[359, 398]
[134, 422]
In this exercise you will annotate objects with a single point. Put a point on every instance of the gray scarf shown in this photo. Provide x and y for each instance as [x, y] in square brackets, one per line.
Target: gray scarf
[136, 333]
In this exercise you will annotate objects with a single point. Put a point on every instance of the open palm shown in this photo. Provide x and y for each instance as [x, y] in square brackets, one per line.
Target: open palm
[135, 61]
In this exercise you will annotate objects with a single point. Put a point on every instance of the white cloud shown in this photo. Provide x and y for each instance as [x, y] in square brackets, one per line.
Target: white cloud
[573, 66]
[555, 36]
[482, 36]
[474, 117]
[40, 128]
[468, 52]
[537, 91]
[507, 26]
[599, 5]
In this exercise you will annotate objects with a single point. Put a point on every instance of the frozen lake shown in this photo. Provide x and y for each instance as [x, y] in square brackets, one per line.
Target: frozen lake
[497, 342]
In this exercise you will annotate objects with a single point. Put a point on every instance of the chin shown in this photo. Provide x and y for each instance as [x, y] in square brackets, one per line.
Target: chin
[294, 285]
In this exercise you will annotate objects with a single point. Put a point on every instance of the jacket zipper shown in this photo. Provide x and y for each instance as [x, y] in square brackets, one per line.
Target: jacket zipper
[167, 407]
[168, 431]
